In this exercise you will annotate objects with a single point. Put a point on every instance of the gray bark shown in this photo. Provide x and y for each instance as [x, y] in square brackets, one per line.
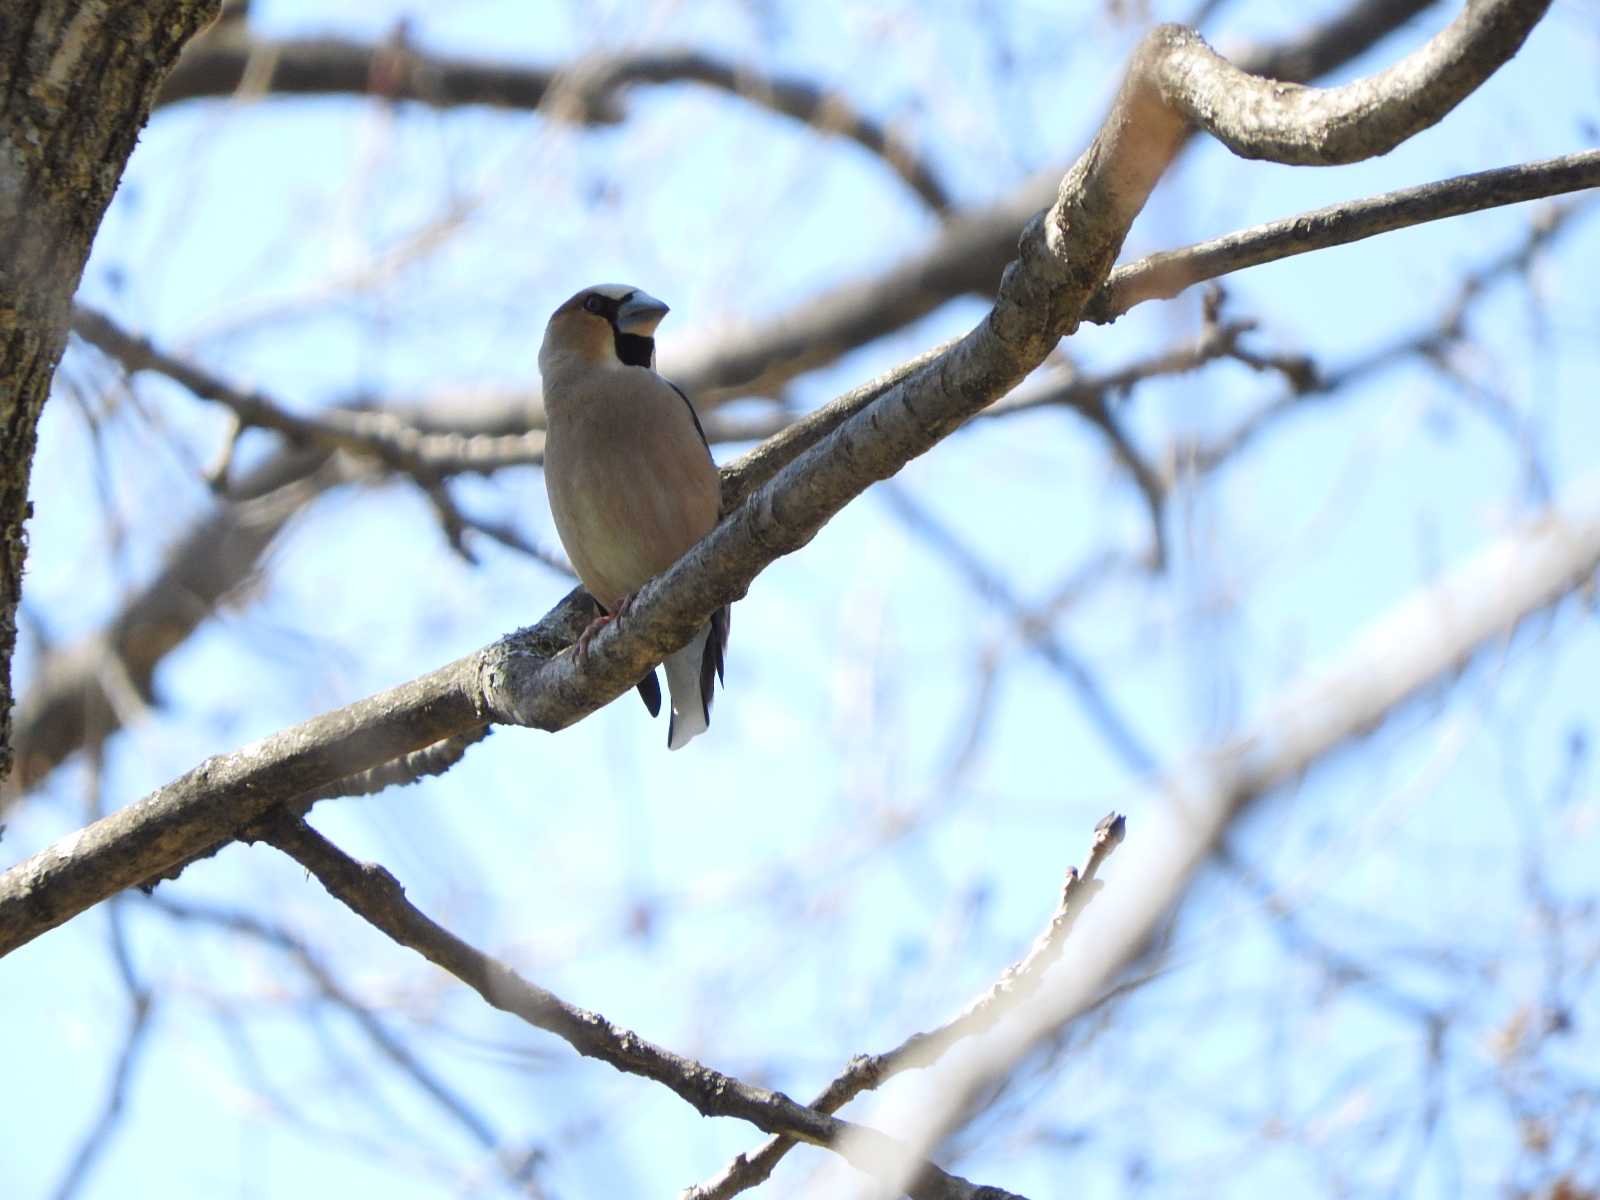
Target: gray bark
[76, 86]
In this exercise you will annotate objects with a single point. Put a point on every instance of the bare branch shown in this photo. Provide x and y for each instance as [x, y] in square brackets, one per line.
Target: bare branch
[376, 896]
[1064, 259]
[69, 704]
[1400, 656]
[457, 523]
[868, 1071]
[380, 435]
[1091, 394]
[141, 1005]
[829, 112]
[1162, 276]
[589, 92]
[1080, 682]
[1431, 341]
[384, 1039]
[1267, 119]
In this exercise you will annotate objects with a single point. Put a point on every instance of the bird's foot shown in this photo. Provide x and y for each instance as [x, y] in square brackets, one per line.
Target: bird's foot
[603, 619]
[581, 650]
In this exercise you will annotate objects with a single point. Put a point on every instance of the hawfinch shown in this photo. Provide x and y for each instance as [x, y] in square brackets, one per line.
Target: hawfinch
[629, 476]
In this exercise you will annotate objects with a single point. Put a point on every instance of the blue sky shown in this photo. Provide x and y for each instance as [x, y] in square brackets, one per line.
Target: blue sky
[818, 881]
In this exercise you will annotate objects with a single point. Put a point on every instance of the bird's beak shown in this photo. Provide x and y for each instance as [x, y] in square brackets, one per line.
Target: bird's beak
[641, 313]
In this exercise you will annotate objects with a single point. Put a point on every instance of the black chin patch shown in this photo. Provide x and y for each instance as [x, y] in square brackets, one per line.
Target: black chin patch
[633, 349]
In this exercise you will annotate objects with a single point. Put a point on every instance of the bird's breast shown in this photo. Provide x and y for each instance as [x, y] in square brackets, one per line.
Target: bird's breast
[631, 485]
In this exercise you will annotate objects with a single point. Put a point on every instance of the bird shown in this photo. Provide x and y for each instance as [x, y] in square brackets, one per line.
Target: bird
[630, 477]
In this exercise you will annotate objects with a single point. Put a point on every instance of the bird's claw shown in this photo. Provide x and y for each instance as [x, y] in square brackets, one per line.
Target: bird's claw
[581, 649]
[603, 619]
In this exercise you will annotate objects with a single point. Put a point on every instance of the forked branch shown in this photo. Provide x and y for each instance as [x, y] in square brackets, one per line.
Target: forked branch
[1064, 258]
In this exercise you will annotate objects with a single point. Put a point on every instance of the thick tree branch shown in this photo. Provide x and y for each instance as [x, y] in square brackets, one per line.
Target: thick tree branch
[973, 248]
[1064, 258]
[1285, 123]
[377, 897]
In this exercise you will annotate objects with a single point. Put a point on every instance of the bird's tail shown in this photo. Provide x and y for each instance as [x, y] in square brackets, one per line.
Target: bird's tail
[691, 675]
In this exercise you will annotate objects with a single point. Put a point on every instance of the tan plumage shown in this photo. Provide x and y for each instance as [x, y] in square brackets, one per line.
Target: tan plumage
[630, 478]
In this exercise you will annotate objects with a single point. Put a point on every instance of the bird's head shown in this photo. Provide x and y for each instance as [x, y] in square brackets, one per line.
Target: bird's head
[604, 325]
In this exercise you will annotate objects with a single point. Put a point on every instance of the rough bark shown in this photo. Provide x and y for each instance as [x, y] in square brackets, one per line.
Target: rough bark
[78, 82]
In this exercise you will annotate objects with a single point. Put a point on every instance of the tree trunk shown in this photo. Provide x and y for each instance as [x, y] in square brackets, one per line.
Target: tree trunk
[77, 78]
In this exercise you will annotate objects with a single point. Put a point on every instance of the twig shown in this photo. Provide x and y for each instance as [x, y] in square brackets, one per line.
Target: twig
[1037, 637]
[866, 1072]
[1431, 341]
[390, 1046]
[379, 435]
[825, 110]
[141, 1003]
[457, 523]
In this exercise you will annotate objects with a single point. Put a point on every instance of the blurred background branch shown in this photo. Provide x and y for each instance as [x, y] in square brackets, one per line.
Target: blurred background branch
[292, 458]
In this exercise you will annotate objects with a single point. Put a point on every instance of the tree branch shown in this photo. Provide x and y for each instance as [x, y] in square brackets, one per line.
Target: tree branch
[973, 248]
[1162, 276]
[1064, 258]
[68, 704]
[376, 896]
[1400, 656]
[588, 92]
[1267, 119]
[1430, 341]
[384, 1040]
[78, 85]
[381, 435]
[866, 1072]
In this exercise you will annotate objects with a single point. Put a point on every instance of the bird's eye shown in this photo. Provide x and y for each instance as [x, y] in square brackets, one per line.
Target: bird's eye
[593, 304]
